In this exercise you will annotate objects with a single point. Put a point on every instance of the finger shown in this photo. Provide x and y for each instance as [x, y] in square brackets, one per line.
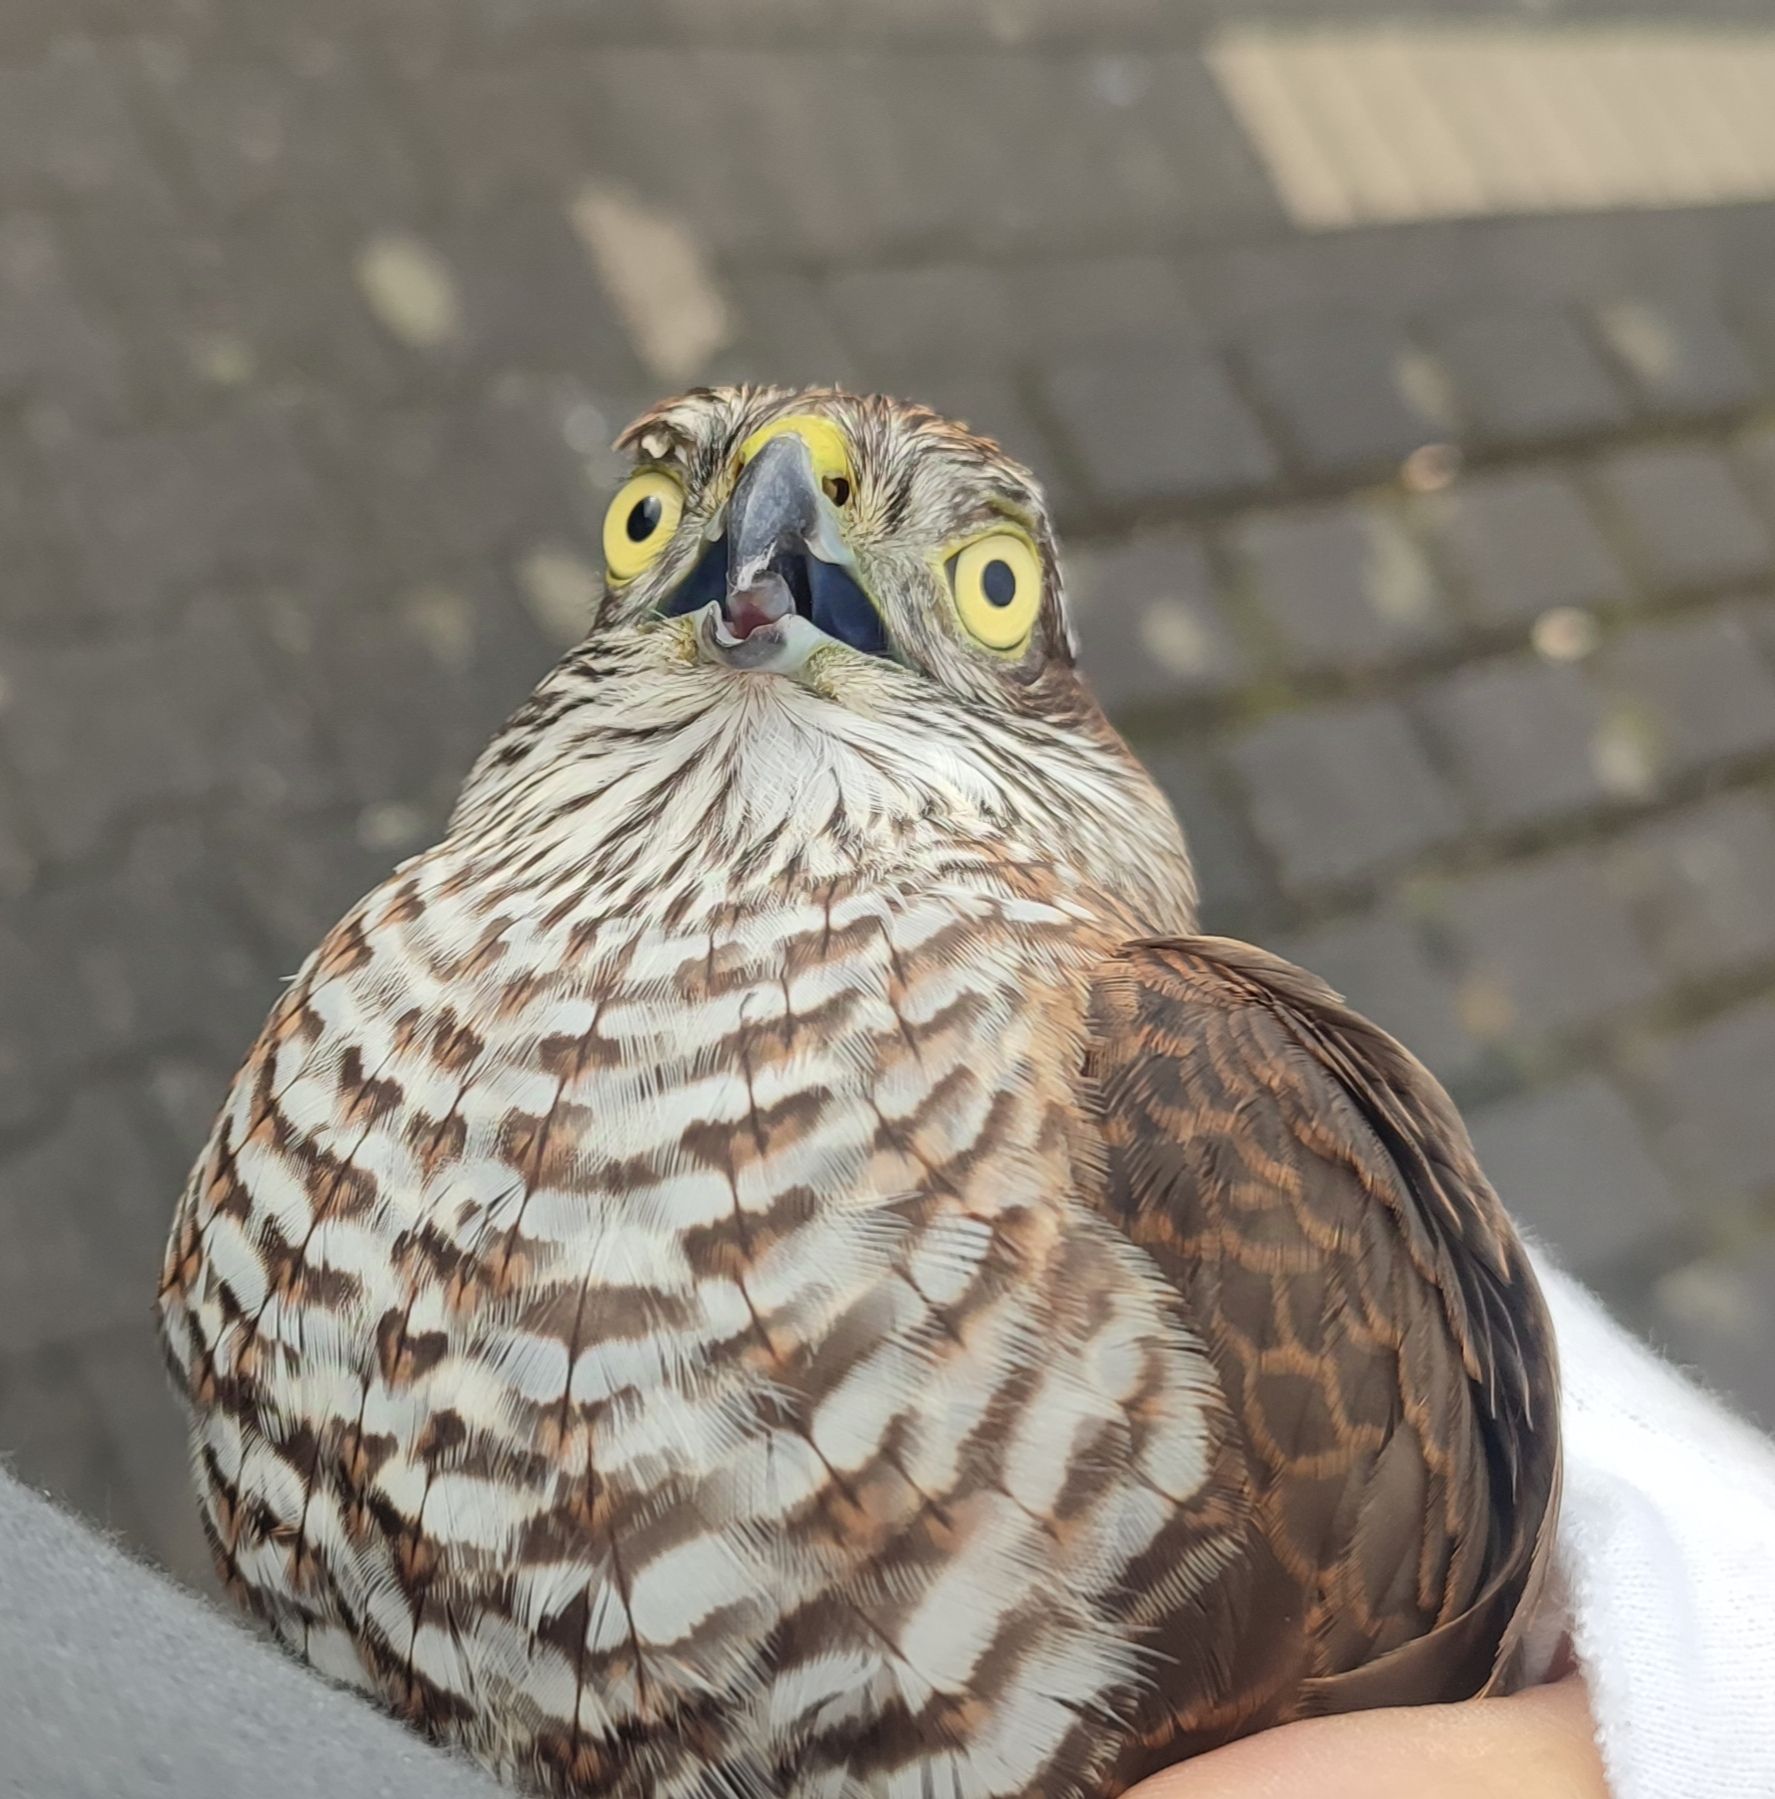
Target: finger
[1537, 1745]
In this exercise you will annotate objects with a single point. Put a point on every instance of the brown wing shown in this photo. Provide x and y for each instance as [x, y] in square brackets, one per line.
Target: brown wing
[1313, 1194]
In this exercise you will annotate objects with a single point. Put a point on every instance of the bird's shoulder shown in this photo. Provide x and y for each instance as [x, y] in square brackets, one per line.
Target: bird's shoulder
[1311, 1190]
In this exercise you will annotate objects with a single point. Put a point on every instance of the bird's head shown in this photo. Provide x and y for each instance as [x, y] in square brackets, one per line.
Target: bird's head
[824, 536]
[895, 576]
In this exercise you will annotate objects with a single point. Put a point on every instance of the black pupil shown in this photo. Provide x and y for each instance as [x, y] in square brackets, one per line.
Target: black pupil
[644, 517]
[998, 581]
[838, 489]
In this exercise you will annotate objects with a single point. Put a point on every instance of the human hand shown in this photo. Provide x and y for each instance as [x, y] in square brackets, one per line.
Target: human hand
[1536, 1745]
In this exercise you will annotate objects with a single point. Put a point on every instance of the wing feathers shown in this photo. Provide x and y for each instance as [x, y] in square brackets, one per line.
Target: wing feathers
[1311, 1191]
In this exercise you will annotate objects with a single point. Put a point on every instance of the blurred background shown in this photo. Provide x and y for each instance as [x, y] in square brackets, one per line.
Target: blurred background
[1403, 379]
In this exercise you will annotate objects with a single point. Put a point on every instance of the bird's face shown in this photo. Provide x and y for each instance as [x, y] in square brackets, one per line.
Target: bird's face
[892, 580]
[831, 538]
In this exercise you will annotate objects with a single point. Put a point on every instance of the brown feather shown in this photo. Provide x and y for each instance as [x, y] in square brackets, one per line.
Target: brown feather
[1312, 1193]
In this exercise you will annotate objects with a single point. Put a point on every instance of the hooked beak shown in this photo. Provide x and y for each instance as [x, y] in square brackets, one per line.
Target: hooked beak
[789, 580]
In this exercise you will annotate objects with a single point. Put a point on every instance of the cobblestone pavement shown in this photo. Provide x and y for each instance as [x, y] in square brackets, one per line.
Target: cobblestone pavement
[1430, 567]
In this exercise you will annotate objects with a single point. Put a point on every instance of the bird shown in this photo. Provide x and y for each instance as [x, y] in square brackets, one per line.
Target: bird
[776, 1259]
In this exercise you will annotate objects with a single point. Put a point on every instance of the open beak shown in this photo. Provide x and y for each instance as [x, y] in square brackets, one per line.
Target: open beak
[782, 576]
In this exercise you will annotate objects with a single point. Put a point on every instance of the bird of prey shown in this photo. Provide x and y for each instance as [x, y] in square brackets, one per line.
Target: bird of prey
[774, 1260]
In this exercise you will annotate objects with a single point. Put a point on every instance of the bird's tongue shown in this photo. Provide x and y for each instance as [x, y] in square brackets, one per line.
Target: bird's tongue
[762, 602]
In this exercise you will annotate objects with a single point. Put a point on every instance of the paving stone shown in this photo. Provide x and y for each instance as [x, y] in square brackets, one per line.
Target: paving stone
[1544, 947]
[1520, 542]
[786, 332]
[292, 311]
[1525, 375]
[33, 590]
[531, 299]
[1758, 614]
[1379, 963]
[498, 131]
[1520, 738]
[52, 343]
[1694, 692]
[298, 875]
[1754, 457]
[29, 1042]
[182, 1093]
[1573, 1166]
[253, 133]
[143, 1428]
[85, 1223]
[157, 266]
[65, 128]
[1237, 892]
[1086, 302]
[440, 485]
[1687, 521]
[1149, 621]
[154, 515]
[1717, 1316]
[1150, 145]
[1702, 885]
[1146, 430]
[944, 313]
[95, 730]
[1341, 586]
[1338, 792]
[871, 185]
[144, 955]
[1713, 1083]
[1680, 355]
[1345, 389]
[52, 1436]
[18, 856]
[412, 691]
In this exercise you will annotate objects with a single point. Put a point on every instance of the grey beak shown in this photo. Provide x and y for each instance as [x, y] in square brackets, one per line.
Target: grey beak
[786, 555]
[777, 509]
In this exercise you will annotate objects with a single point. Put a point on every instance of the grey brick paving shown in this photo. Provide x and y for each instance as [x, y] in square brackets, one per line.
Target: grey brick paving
[1522, 375]
[1520, 738]
[316, 319]
[1340, 791]
[1574, 1165]
[1680, 357]
[1545, 947]
[1697, 689]
[149, 516]
[1238, 891]
[1341, 388]
[83, 1203]
[1712, 1084]
[1151, 621]
[1341, 586]
[1713, 1316]
[1516, 543]
[52, 342]
[66, 128]
[1699, 883]
[1146, 431]
[1686, 520]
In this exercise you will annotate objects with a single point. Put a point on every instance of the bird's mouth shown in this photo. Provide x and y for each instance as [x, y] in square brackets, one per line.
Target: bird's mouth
[779, 582]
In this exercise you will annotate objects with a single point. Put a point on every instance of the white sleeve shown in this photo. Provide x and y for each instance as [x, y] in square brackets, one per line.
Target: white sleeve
[1667, 1555]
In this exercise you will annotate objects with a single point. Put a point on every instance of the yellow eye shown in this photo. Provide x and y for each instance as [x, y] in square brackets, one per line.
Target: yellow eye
[997, 581]
[640, 522]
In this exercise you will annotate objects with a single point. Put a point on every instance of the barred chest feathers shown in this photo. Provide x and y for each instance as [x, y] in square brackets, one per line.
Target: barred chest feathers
[641, 1315]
